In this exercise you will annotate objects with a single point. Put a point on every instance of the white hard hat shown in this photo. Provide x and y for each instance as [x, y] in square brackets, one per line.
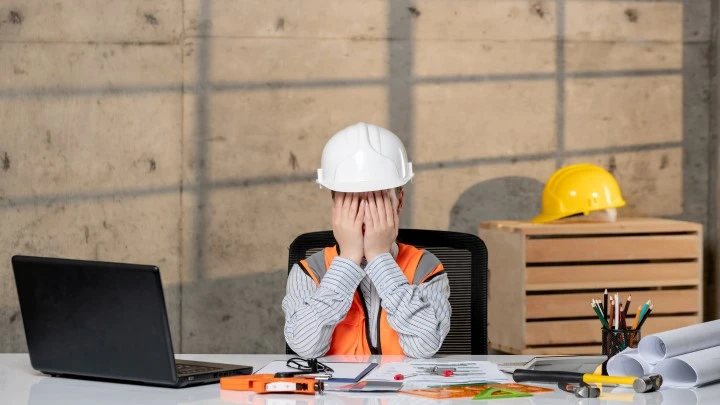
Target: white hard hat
[364, 157]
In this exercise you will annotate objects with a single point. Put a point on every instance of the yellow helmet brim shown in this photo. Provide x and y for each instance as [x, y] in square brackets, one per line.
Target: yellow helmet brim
[546, 218]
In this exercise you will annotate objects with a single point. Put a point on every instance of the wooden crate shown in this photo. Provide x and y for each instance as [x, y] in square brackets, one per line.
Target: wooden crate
[542, 277]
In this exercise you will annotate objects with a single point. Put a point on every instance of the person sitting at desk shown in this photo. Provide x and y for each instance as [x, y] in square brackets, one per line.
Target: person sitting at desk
[368, 294]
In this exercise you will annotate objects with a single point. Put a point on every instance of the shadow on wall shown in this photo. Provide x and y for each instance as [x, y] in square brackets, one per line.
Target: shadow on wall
[240, 314]
[504, 198]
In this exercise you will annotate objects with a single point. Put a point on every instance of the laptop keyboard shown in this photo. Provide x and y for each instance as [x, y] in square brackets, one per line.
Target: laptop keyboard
[193, 369]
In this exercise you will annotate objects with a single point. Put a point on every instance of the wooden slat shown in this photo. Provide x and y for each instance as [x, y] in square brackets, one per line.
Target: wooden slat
[623, 225]
[506, 265]
[588, 331]
[612, 248]
[701, 282]
[568, 350]
[576, 305]
[612, 276]
[554, 350]
[505, 349]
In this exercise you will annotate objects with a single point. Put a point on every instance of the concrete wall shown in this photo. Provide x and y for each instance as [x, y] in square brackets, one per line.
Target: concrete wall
[186, 134]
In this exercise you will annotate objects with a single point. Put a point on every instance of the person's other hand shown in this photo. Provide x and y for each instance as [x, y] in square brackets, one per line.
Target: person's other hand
[348, 214]
[381, 224]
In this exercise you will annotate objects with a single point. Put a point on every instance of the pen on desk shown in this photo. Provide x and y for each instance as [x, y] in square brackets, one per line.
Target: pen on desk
[444, 371]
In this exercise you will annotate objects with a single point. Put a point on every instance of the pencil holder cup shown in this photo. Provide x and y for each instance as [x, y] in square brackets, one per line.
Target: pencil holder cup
[615, 341]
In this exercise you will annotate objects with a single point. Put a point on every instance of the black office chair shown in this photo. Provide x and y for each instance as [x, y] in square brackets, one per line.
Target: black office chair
[464, 257]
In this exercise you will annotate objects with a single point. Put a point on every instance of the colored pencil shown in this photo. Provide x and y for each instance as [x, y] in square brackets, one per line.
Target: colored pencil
[647, 315]
[599, 315]
[613, 314]
[644, 309]
[605, 304]
[598, 304]
[617, 311]
[637, 317]
[627, 305]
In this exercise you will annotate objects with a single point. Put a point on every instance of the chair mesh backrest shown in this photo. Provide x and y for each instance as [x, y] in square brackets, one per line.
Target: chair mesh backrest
[464, 257]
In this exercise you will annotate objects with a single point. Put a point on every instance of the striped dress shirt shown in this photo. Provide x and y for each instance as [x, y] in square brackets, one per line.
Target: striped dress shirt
[420, 314]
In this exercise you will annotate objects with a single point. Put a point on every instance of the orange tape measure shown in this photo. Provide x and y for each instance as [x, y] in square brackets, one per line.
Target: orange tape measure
[268, 383]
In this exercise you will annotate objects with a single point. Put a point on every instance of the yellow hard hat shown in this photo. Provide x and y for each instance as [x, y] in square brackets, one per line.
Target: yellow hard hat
[578, 189]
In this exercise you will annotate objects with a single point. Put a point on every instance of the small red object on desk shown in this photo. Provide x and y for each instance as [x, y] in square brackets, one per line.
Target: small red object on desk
[444, 373]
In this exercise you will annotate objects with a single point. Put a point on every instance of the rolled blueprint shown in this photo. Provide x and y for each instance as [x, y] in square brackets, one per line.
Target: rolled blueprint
[628, 362]
[659, 346]
[691, 369]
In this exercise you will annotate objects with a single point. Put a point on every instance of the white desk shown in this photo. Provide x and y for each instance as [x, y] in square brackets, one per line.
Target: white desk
[21, 385]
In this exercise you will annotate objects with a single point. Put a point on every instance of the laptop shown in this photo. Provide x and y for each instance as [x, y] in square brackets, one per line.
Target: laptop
[106, 321]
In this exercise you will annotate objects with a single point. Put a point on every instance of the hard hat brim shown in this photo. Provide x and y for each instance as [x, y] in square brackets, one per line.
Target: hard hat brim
[365, 186]
[545, 218]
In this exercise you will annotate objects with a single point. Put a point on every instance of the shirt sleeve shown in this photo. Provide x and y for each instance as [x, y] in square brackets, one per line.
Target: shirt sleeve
[420, 314]
[312, 311]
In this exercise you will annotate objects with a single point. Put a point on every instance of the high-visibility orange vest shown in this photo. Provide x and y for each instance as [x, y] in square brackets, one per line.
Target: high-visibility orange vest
[352, 335]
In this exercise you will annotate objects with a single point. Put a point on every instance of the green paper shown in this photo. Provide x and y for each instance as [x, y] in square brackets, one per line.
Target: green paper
[500, 393]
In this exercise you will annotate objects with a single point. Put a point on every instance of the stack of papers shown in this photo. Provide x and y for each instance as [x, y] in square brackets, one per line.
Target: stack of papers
[419, 372]
[685, 357]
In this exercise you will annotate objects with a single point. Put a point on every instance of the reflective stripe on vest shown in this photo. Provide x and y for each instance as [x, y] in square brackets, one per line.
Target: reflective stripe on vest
[352, 335]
